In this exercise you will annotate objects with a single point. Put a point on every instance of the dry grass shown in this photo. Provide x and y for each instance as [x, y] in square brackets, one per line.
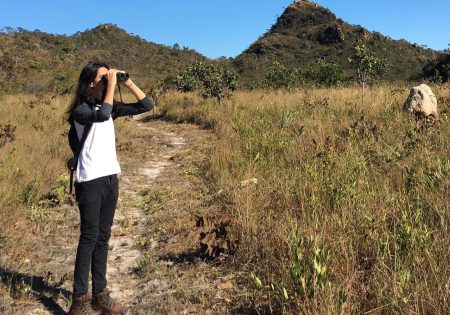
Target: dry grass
[350, 212]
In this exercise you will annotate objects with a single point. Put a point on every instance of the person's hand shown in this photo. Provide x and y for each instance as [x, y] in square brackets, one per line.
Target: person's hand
[128, 83]
[111, 75]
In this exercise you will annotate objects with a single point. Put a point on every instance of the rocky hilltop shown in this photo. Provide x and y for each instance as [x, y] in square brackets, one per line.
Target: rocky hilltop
[307, 31]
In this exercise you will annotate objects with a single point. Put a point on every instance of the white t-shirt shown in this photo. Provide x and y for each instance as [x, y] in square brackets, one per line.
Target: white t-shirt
[98, 156]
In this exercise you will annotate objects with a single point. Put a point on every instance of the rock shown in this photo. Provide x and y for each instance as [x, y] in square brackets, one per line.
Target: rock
[303, 3]
[154, 245]
[225, 285]
[194, 309]
[365, 33]
[421, 102]
[331, 35]
[251, 181]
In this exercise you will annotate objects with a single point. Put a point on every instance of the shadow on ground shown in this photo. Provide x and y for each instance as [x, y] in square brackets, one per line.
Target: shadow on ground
[187, 258]
[262, 310]
[166, 117]
[39, 287]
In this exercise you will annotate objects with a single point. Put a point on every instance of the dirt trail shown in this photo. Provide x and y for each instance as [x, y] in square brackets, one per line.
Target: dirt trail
[153, 265]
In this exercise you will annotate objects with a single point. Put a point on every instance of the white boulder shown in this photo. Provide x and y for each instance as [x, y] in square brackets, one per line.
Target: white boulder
[421, 101]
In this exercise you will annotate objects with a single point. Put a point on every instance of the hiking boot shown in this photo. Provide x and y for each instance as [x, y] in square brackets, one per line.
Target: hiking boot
[104, 303]
[81, 306]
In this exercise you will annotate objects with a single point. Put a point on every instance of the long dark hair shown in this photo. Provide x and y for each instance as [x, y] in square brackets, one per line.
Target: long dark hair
[83, 92]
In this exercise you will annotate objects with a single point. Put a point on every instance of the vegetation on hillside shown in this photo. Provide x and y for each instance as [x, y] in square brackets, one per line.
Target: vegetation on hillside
[36, 61]
[318, 73]
[438, 70]
[306, 32]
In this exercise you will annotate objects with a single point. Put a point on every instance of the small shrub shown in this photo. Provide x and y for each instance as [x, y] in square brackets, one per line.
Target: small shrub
[210, 80]
[309, 265]
[35, 87]
[57, 194]
[279, 76]
[30, 191]
[324, 73]
[141, 263]
[60, 84]
[36, 213]
[34, 64]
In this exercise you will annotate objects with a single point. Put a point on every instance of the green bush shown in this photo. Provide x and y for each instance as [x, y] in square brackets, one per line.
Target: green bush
[210, 80]
[34, 64]
[324, 73]
[279, 76]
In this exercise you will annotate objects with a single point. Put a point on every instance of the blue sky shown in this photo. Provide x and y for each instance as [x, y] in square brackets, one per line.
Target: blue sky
[226, 27]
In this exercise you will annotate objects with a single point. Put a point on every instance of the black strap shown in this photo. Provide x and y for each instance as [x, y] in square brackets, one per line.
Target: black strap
[82, 141]
[120, 92]
[71, 181]
[83, 138]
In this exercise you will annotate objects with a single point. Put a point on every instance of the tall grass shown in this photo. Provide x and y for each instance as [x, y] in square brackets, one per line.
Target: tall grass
[34, 158]
[349, 212]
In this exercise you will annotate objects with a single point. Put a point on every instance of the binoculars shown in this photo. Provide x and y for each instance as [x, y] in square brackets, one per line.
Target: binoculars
[121, 77]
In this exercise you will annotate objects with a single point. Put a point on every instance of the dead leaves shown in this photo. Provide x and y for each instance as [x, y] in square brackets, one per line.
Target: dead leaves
[7, 134]
[362, 128]
[425, 122]
[212, 234]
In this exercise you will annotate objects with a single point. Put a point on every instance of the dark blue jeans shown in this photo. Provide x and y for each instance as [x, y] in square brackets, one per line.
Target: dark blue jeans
[97, 200]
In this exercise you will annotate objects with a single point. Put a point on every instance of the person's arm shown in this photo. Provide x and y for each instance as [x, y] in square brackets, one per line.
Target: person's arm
[144, 104]
[85, 114]
[134, 89]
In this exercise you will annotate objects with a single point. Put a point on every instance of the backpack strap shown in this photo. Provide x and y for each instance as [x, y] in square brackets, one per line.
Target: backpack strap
[72, 169]
[87, 127]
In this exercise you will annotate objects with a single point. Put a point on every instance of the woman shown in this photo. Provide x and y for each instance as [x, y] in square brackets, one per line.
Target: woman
[96, 184]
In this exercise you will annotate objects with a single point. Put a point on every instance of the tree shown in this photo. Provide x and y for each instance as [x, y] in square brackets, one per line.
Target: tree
[209, 79]
[367, 65]
[188, 81]
[447, 50]
[324, 73]
[7, 30]
[279, 76]
[446, 72]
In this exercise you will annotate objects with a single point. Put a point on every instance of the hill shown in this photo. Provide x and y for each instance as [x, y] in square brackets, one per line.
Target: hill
[33, 60]
[307, 31]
